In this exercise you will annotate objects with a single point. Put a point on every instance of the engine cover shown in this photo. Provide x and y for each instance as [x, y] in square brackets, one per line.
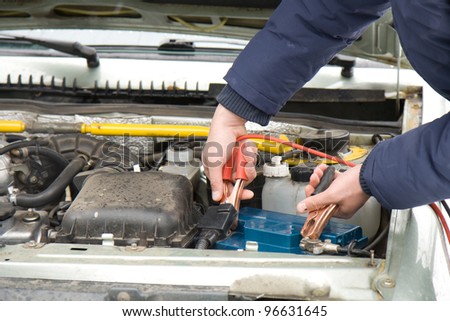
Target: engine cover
[147, 208]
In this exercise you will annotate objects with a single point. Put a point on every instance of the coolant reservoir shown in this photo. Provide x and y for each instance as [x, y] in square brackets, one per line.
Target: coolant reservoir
[283, 190]
[368, 217]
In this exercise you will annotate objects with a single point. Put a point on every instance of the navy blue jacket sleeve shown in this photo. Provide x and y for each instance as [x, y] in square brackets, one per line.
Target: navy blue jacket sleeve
[424, 30]
[411, 169]
[303, 35]
[299, 38]
[414, 168]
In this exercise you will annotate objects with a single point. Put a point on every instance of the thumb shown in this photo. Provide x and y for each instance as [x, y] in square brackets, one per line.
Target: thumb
[314, 202]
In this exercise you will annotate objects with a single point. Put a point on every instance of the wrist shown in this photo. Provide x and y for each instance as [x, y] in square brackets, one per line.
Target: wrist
[226, 123]
[237, 104]
[227, 118]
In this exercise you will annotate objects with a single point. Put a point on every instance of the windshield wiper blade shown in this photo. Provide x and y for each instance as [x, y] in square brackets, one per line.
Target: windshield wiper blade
[71, 48]
[176, 45]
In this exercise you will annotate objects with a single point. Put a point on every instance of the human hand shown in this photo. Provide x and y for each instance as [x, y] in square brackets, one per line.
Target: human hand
[225, 128]
[345, 191]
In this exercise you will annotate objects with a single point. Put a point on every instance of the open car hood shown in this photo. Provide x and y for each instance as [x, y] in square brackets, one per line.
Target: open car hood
[228, 18]
[123, 141]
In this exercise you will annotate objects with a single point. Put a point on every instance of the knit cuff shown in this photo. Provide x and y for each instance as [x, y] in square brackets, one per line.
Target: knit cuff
[362, 180]
[234, 102]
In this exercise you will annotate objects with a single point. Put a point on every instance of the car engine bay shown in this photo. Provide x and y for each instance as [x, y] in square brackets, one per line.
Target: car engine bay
[150, 191]
[97, 203]
[105, 110]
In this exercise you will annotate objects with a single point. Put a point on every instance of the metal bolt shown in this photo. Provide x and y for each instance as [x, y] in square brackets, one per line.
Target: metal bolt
[31, 216]
[387, 283]
[33, 179]
[372, 259]
[134, 246]
[32, 243]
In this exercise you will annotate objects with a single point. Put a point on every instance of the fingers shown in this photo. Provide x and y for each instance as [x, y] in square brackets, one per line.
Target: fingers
[225, 128]
[247, 194]
[345, 191]
[314, 202]
[309, 190]
[249, 151]
[215, 178]
[213, 159]
[315, 179]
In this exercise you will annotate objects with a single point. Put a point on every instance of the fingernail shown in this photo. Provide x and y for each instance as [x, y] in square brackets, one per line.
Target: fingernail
[216, 196]
[302, 208]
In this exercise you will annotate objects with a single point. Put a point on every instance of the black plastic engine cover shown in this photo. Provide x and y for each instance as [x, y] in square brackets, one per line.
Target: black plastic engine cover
[147, 208]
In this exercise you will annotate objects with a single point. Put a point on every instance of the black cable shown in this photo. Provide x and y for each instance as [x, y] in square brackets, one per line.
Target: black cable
[447, 209]
[11, 138]
[360, 253]
[160, 161]
[60, 206]
[377, 239]
[376, 138]
[351, 251]
[20, 144]
[290, 154]
[387, 214]
[51, 215]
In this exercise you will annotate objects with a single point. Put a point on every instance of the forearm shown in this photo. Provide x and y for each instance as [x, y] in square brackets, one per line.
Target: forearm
[412, 169]
[299, 38]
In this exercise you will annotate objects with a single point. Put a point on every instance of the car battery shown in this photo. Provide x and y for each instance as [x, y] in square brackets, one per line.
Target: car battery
[278, 232]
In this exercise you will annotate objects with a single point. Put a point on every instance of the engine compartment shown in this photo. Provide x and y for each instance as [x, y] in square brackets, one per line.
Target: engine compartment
[63, 241]
[152, 192]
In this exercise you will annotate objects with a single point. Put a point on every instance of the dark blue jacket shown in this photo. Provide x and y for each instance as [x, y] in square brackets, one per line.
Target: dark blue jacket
[302, 36]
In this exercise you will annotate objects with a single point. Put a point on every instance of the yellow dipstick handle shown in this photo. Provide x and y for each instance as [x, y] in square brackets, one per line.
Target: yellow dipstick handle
[153, 130]
[12, 126]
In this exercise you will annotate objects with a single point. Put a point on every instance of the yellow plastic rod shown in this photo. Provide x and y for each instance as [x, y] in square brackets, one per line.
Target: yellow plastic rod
[149, 130]
[153, 130]
[12, 126]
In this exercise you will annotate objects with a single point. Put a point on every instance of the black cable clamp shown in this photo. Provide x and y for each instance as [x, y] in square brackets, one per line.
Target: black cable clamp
[215, 225]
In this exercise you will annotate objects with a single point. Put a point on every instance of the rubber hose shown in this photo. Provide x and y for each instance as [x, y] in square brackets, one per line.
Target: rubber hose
[21, 144]
[11, 138]
[54, 191]
[50, 153]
